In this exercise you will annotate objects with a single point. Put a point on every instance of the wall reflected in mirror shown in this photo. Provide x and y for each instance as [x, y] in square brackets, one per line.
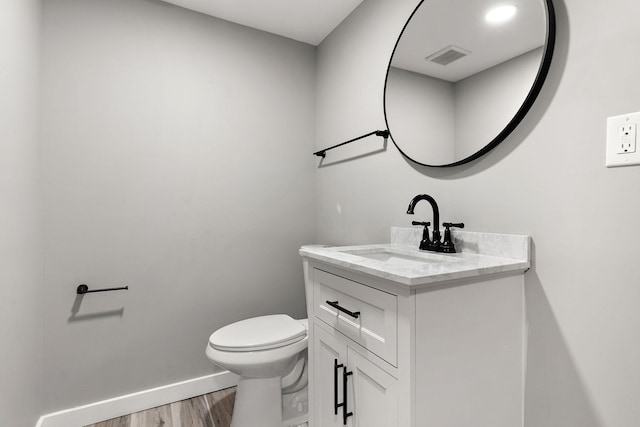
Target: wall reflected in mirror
[455, 80]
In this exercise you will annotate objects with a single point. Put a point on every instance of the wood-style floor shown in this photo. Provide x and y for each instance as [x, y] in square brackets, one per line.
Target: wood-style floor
[209, 410]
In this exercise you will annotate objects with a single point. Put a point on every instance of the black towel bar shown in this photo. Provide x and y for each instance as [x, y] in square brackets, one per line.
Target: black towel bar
[382, 133]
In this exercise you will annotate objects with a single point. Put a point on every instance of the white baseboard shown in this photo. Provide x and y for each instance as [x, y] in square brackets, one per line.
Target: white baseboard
[140, 401]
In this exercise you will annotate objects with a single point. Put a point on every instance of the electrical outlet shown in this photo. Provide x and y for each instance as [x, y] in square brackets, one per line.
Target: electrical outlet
[627, 138]
[621, 140]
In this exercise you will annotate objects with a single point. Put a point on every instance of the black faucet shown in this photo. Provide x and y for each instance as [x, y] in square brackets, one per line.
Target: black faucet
[434, 244]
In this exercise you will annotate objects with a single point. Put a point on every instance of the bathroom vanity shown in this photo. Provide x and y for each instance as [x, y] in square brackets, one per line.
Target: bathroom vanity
[406, 338]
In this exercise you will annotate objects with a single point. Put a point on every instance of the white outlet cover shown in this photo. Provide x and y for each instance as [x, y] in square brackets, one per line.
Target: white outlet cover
[615, 159]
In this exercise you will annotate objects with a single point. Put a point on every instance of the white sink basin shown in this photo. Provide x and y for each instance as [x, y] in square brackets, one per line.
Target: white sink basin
[398, 257]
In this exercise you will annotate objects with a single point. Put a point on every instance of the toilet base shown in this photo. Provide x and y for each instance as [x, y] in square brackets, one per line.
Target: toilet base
[258, 403]
[295, 408]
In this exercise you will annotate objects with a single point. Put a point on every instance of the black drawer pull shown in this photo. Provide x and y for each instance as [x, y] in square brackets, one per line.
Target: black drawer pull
[334, 304]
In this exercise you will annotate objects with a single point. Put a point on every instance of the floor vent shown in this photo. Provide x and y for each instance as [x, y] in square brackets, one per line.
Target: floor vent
[448, 55]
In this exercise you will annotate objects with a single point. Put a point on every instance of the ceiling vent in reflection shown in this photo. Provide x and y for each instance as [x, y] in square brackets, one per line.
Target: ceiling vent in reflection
[448, 55]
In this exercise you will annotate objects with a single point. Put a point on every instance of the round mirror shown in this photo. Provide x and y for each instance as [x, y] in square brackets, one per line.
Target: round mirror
[463, 74]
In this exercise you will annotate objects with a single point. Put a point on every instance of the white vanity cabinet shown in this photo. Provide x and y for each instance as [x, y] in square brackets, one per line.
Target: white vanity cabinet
[443, 353]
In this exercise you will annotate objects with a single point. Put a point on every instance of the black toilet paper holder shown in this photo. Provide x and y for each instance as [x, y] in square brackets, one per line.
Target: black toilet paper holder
[84, 289]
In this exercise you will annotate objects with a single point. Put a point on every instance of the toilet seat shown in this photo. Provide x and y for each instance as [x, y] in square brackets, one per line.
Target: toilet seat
[258, 333]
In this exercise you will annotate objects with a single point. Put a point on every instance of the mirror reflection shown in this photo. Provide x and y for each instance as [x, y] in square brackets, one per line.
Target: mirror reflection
[460, 73]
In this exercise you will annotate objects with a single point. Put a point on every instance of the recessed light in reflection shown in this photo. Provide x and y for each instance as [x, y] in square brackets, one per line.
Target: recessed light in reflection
[501, 13]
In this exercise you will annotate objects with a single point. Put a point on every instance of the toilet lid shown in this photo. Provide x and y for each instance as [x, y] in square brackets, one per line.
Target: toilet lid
[258, 333]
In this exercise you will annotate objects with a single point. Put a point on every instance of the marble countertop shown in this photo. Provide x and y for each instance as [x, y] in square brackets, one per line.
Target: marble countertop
[401, 261]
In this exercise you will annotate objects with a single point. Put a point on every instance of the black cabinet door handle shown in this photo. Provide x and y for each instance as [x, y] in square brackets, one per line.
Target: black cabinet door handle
[336, 405]
[345, 414]
[334, 304]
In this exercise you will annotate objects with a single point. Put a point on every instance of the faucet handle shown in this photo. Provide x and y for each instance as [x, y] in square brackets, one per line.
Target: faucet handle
[425, 243]
[453, 224]
[426, 224]
[447, 245]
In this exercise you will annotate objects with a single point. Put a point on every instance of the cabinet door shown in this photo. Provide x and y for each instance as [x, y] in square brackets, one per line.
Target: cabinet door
[372, 395]
[327, 378]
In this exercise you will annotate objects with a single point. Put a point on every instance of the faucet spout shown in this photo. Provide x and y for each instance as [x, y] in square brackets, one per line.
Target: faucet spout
[436, 216]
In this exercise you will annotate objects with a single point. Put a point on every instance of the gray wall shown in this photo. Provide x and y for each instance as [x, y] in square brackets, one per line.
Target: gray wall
[155, 176]
[176, 161]
[548, 180]
[20, 223]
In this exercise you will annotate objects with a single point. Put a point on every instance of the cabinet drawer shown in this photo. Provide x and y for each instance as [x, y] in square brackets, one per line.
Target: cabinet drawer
[375, 326]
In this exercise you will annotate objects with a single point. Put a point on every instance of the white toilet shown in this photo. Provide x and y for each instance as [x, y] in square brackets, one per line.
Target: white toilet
[269, 353]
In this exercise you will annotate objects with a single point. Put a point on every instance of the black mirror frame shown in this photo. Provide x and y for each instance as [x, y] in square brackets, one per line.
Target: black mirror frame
[543, 70]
